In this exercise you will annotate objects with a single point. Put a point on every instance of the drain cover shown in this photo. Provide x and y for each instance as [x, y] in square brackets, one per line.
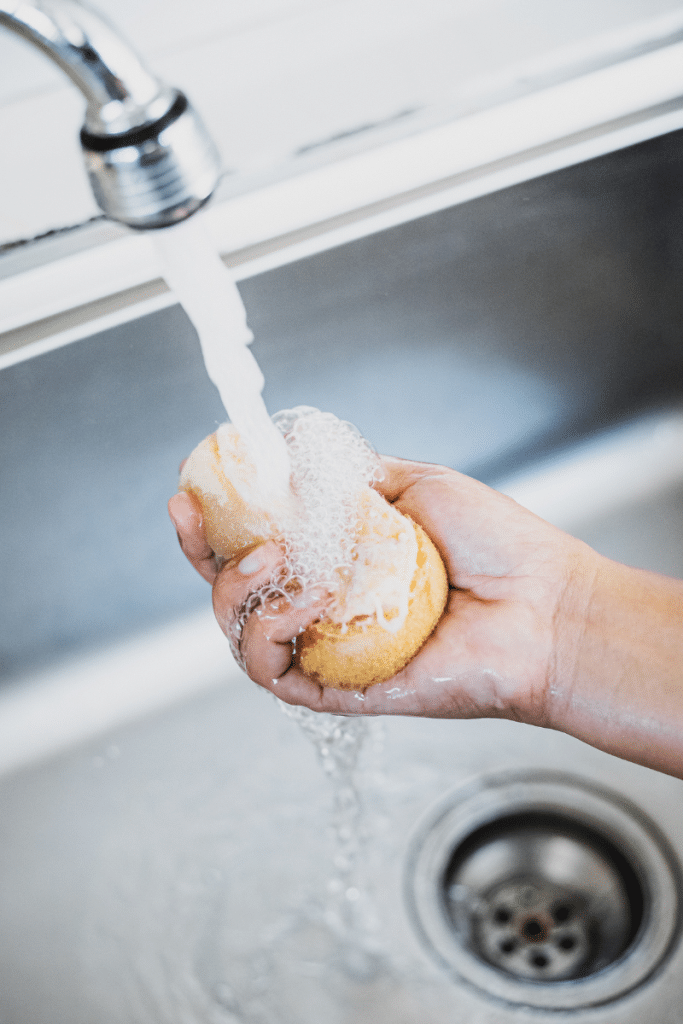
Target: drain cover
[544, 891]
[543, 897]
[535, 930]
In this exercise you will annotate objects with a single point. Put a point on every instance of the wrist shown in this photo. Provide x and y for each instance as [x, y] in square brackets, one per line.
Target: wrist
[618, 678]
[572, 623]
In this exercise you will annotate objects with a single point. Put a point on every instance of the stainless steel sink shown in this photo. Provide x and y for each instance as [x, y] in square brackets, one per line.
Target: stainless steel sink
[481, 337]
[176, 866]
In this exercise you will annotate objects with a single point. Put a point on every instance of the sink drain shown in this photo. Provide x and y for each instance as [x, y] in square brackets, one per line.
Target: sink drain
[544, 891]
[541, 896]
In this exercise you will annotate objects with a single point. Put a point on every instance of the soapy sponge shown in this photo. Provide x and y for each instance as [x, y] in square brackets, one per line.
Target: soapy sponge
[386, 583]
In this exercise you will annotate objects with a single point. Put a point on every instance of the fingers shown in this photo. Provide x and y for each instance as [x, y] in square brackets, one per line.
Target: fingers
[265, 639]
[267, 646]
[189, 523]
[421, 490]
[399, 475]
[240, 578]
[294, 688]
[416, 484]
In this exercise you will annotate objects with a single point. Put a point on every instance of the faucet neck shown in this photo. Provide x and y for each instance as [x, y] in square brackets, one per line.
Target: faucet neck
[149, 158]
[121, 93]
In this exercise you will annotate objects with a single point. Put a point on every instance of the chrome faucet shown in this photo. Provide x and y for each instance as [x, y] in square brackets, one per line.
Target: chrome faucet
[149, 158]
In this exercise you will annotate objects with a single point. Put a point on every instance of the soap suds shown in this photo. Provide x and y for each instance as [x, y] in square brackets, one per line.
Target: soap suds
[332, 467]
[331, 464]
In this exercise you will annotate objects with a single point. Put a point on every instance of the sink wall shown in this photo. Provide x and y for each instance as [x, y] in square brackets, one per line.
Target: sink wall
[482, 337]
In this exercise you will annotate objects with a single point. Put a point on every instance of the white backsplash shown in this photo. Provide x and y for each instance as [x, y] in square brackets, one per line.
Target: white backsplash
[273, 77]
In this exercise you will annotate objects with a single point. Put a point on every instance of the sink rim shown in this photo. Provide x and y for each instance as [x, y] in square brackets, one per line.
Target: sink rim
[591, 115]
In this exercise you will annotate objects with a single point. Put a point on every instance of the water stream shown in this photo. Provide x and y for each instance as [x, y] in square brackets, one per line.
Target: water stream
[328, 957]
[338, 742]
[207, 292]
[326, 950]
[209, 296]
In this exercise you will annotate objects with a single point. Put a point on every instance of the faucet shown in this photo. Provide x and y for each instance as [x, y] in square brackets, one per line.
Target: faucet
[149, 158]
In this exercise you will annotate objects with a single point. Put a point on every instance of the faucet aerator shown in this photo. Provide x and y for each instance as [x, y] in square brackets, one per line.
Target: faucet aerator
[149, 158]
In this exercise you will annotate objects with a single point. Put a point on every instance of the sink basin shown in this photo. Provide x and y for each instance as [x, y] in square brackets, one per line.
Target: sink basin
[483, 337]
[170, 859]
[179, 867]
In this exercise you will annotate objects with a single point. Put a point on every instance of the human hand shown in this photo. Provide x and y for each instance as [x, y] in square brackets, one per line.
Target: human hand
[494, 652]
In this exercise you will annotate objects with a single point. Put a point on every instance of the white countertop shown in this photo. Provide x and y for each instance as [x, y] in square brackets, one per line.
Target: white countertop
[274, 77]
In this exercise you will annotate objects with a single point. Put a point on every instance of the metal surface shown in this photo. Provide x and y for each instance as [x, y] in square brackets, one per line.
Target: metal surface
[541, 903]
[149, 158]
[173, 868]
[534, 929]
[544, 891]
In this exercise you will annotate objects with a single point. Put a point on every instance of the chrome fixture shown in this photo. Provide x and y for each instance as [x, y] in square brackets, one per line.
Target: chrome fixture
[544, 891]
[149, 158]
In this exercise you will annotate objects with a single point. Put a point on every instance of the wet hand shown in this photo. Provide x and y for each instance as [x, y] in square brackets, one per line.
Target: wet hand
[494, 651]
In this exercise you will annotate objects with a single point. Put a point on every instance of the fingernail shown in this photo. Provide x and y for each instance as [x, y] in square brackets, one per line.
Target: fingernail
[250, 564]
[172, 514]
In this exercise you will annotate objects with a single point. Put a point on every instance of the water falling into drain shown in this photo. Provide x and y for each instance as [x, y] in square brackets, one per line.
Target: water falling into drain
[322, 958]
[329, 957]
[348, 913]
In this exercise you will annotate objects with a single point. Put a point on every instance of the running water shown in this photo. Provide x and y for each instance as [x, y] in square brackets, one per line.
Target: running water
[204, 287]
[209, 296]
[342, 918]
[338, 742]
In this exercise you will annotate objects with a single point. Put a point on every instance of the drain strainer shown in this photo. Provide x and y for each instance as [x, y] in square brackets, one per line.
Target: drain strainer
[544, 891]
[541, 896]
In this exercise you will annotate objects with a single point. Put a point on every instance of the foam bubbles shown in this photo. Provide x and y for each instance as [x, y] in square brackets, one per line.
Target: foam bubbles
[331, 464]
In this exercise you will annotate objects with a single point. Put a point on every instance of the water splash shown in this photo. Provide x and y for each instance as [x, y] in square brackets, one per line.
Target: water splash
[331, 464]
[338, 742]
[328, 958]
